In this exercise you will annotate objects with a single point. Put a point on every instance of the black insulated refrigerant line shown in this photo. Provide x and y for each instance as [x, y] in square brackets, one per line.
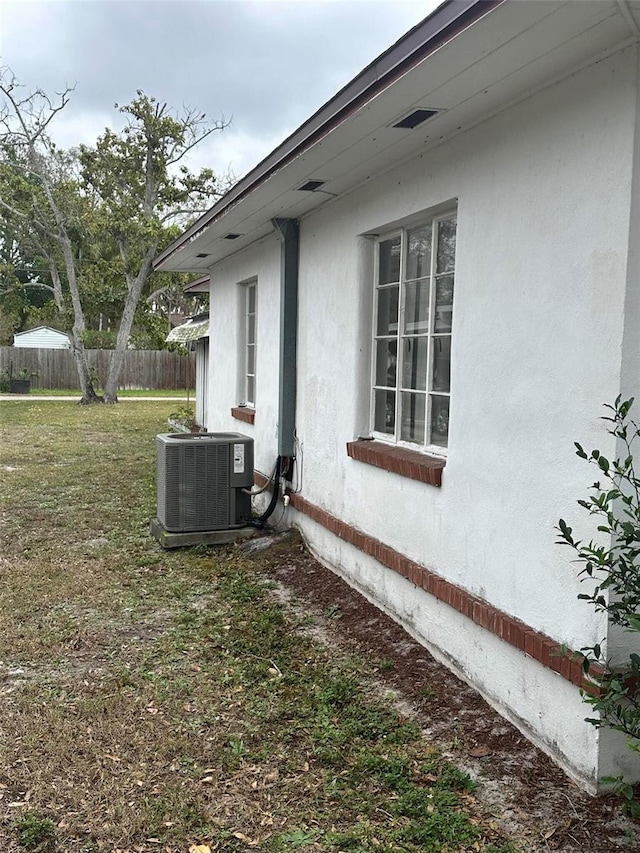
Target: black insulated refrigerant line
[262, 520]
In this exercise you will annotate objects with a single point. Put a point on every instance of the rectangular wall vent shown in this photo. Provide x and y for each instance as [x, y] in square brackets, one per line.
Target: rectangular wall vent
[415, 118]
[202, 255]
[311, 186]
[232, 236]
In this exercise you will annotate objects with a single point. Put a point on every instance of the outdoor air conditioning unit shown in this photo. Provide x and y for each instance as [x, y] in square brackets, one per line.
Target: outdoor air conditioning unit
[200, 480]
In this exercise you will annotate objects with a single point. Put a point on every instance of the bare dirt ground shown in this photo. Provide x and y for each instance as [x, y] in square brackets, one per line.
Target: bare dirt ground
[519, 786]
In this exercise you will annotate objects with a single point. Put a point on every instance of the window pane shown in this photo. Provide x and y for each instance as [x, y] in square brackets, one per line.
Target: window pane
[444, 303]
[412, 417]
[439, 420]
[251, 389]
[441, 364]
[384, 419]
[414, 364]
[251, 329]
[251, 299]
[446, 255]
[419, 252]
[388, 310]
[416, 306]
[251, 359]
[389, 261]
[386, 358]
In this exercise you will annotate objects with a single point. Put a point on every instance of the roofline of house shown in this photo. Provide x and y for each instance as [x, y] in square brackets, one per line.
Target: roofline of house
[191, 289]
[444, 23]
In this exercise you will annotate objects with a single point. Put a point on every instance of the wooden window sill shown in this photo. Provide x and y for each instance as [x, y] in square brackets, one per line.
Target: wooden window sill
[399, 460]
[243, 413]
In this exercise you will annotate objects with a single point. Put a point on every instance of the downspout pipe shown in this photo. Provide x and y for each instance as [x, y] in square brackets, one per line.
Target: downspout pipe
[288, 230]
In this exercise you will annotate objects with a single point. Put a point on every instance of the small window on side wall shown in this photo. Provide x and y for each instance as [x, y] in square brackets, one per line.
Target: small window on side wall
[250, 316]
[414, 280]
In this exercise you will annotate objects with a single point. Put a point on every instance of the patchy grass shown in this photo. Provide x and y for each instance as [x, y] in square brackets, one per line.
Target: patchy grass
[75, 392]
[156, 700]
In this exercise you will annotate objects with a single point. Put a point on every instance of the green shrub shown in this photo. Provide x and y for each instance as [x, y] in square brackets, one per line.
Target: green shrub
[612, 567]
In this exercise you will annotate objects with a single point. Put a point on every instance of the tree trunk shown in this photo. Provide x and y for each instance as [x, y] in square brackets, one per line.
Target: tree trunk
[134, 291]
[117, 358]
[89, 395]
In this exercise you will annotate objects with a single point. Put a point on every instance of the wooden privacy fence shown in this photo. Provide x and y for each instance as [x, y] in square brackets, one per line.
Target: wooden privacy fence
[146, 369]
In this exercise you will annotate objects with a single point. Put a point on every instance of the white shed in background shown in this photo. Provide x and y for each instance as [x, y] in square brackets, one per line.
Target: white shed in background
[42, 337]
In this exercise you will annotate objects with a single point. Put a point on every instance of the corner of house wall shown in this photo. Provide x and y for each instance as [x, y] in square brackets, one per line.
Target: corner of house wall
[615, 757]
[630, 369]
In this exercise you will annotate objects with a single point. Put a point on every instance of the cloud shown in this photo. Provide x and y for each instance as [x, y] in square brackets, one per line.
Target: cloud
[268, 64]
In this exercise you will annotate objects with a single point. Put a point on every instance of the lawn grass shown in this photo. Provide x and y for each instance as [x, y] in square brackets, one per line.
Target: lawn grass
[74, 392]
[155, 700]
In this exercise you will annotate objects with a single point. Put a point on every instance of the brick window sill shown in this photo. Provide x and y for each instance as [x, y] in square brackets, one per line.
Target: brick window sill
[244, 413]
[399, 460]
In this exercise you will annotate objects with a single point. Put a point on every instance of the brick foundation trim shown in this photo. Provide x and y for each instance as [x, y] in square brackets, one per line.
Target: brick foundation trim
[400, 460]
[516, 633]
[243, 413]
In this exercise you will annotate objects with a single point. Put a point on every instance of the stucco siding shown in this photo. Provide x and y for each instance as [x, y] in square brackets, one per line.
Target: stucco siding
[546, 312]
[261, 263]
[543, 194]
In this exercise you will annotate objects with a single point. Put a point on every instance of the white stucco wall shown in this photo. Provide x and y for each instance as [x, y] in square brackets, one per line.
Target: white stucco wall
[262, 263]
[543, 278]
[538, 316]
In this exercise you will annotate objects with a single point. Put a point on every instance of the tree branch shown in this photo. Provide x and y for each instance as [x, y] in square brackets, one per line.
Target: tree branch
[29, 284]
[30, 219]
[40, 124]
[218, 125]
[192, 211]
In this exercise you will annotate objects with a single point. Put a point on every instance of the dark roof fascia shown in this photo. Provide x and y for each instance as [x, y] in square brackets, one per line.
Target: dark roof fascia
[444, 23]
[197, 282]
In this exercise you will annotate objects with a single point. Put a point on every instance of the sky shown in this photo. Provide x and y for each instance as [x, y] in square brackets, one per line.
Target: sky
[266, 66]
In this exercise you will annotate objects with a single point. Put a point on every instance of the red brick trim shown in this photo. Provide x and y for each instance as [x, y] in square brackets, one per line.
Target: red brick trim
[518, 634]
[400, 460]
[243, 413]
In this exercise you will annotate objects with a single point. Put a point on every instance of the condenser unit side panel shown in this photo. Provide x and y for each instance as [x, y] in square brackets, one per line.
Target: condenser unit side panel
[239, 507]
[168, 485]
[161, 470]
[217, 487]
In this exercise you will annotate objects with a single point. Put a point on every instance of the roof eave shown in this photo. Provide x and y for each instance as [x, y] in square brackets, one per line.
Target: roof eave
[444, 23]
[198, 286]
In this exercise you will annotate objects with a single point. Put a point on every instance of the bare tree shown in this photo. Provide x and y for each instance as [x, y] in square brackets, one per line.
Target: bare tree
[36, 188]
[126, 191]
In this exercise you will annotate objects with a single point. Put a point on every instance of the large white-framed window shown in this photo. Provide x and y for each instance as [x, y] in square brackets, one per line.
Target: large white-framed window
[250, 326]
[413, 312]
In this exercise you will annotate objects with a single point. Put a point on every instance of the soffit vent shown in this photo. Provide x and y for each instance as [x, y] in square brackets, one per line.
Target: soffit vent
[202, 255]
[415, 118]
[311, 186]
[232, 236]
